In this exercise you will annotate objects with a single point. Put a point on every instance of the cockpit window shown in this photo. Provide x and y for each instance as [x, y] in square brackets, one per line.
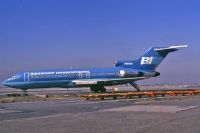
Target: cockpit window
[13, 78]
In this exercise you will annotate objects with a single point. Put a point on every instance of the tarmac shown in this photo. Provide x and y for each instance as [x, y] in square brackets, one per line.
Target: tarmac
[153, 115]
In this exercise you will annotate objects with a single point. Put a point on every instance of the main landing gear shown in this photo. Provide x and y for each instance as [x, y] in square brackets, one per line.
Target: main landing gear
[97, 89]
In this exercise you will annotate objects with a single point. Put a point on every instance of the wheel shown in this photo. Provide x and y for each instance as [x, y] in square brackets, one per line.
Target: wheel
[103, 89]
[24, 93]
[94, 89]
[97, 89]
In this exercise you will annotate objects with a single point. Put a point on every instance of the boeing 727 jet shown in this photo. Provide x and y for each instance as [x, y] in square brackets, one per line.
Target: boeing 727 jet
[123, 72]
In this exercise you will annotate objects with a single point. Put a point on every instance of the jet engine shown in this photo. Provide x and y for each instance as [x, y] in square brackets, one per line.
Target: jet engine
[151, 74]
[129, 73]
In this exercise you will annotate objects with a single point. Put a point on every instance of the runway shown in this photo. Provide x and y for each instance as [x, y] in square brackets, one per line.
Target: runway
[76, 115]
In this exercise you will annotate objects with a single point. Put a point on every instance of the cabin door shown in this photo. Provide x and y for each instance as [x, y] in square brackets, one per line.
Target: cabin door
[26, 77]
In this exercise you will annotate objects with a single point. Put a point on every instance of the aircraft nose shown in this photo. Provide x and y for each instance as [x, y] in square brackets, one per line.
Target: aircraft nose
[4, 82]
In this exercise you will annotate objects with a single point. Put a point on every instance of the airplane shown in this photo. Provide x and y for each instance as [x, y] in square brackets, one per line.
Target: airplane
[123, 72]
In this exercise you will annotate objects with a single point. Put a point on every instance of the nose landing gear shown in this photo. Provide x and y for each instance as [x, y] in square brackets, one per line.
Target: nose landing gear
[24, 92]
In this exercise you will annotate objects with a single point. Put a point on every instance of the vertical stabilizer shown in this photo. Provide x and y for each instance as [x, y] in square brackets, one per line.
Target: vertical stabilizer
[151, 58]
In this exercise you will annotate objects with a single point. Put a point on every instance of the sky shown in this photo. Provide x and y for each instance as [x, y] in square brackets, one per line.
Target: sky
[48, 34]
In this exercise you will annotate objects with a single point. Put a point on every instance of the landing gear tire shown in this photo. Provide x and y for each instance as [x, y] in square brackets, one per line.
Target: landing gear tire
[97, 89]
[24, 93]
[103, 89]
[93, 89]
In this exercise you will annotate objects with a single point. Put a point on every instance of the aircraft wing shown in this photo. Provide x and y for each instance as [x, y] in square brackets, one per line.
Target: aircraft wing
[106, 81]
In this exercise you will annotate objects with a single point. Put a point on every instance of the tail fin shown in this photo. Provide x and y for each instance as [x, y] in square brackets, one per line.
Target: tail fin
[150, 60]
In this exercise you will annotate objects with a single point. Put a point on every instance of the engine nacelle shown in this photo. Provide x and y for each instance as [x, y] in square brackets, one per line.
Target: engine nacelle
[151, 74]
[129, 73]
[133, 73]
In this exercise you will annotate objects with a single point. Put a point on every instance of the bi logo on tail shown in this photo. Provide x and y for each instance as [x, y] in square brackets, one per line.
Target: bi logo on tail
[146, 60]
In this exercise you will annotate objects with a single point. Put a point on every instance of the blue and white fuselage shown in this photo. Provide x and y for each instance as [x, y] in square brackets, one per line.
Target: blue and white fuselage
[69, 78]
[96, 78]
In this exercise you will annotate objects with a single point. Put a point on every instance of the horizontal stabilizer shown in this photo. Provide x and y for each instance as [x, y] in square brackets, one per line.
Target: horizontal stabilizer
[171, 48]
